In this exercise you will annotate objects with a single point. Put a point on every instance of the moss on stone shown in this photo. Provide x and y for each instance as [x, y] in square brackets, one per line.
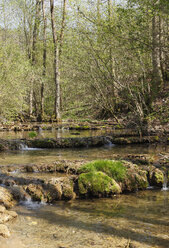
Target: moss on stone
[112, 168]
[97, 182]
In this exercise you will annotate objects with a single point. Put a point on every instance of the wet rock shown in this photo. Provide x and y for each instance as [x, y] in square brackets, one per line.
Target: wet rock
[4, 231]
[54, 190]
[155, 177]
[61, 188]
[6, 198]
[7, 216]
[136, 178]
[35, 191]
[2, 209]
[19, 193]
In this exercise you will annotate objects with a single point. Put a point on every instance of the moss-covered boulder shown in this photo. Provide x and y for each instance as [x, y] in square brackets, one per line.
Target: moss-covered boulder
[135, 179]
[104, 177]
[97, 183]
[113, 168]
[155, 176]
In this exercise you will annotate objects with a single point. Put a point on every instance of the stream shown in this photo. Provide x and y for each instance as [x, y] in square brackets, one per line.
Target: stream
[139, 219]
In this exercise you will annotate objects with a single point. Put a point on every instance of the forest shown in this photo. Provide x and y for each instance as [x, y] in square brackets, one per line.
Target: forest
[84, 123]
[84, 59]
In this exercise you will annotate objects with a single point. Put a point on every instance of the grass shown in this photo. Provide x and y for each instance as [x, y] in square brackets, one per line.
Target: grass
[112, 168]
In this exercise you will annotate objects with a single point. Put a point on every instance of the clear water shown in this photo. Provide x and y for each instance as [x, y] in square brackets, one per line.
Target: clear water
[140, 220]
[137, 220]
[50, 155]
[59, 133]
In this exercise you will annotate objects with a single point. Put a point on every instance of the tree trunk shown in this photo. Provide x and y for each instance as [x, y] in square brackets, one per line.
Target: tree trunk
[44, 61]
[112, 61]
[31, 100]
[57, 41]
[157, 73]
[34, 59]
[56, 64]
[36, 31]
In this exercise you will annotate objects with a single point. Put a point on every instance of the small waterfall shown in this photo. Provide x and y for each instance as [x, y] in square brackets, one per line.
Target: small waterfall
[108, 143]
[24, 147]
[28, 203]
[164, 188]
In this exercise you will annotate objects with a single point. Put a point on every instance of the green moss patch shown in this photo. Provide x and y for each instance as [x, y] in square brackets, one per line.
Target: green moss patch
[112, 168]
[97, 182]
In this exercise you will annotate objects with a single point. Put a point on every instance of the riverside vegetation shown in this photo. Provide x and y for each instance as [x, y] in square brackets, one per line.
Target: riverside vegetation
[82, 66]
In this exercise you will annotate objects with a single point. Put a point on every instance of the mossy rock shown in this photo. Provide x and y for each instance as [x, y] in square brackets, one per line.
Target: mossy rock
[112, 168]
[97, 183]
[135, 179]
[35, 191]
[68, 193]
[155, 177]
[42, 143]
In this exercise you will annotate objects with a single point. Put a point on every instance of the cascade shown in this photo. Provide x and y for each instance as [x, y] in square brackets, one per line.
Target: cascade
[165, 182]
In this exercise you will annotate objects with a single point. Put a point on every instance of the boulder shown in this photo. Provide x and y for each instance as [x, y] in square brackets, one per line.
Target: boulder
[61, 188]
[6, 197]
[97, 184]
[155, 177]
[135, 179]
[4, 231]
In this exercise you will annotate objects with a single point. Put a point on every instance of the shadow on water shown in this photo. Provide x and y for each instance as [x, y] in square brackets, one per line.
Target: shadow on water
[112, 210]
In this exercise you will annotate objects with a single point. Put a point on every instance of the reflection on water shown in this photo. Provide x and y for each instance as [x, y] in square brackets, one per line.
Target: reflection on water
[139, 219]
[64, 133]
[50, 155]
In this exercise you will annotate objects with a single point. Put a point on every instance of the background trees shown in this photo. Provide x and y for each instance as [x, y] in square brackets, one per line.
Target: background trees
[113, 59]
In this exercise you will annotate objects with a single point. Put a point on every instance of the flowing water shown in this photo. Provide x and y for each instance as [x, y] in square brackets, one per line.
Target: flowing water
[137, 220]
[50, 155]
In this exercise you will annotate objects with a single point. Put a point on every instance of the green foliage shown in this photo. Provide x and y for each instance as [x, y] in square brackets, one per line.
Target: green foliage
[113, 169]
[32, 134]
[13, 74]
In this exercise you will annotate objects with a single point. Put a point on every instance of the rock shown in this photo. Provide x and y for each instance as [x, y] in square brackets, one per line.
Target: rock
[7, 216]
[97, 184]
[155, 177]
[4, 232]
[54, 190]
[35, 191]
[6, 198]
[19, 193]
[2, 209]
[61, 188]
[13, 214]
[136, 178]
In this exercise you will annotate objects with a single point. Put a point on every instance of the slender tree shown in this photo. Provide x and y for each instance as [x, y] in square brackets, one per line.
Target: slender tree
[44, 60]
[58, 42]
